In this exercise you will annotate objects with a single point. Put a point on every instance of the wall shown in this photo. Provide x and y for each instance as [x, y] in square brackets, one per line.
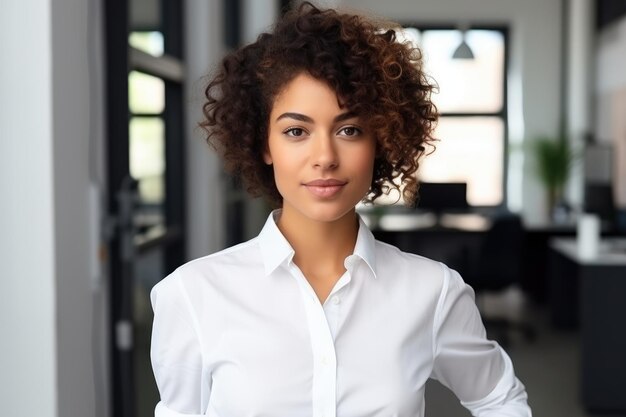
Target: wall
[49, 270]
[257, 17]
[27, 254]
[578, 107]
[75, 101]
[611, 58]
[205, 176]
[534, 69]
[610, 97]
[205, 205]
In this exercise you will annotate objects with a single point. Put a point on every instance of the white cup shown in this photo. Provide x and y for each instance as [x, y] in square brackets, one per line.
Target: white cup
[588, 235]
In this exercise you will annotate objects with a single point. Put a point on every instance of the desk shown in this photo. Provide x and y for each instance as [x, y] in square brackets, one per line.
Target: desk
[451, 238]
[600, 285]
[537, 255]
[455, 239]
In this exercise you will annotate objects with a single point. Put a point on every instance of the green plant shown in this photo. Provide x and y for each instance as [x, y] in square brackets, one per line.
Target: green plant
[553, 158]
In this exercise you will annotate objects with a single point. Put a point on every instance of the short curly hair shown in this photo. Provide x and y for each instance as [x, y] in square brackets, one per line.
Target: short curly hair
[375, 76]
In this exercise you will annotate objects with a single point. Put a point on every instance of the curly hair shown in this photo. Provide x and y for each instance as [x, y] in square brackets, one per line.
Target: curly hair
[375, 76]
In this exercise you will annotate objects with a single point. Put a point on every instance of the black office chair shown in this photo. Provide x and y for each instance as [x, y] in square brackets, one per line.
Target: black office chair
[497, 267]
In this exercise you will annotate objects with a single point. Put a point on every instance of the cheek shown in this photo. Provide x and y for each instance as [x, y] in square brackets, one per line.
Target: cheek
[285, 164]
[363, 162]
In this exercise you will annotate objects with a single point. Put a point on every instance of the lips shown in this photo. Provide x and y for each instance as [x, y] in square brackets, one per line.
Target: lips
[325, 188]
[330, 182]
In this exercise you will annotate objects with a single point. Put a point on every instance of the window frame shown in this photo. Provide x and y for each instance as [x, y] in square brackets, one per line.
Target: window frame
[502, 114]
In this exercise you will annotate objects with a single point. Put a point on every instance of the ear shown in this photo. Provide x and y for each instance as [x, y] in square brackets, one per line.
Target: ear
[267, 157]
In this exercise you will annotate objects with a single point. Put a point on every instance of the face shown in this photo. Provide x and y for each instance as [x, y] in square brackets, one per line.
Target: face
[322, 155]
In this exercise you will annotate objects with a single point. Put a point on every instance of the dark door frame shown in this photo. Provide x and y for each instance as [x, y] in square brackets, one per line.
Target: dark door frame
[118, 65]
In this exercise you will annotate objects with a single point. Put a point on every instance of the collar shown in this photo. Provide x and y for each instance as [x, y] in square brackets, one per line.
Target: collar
[365, 247]
[277, 251]
[275, 248]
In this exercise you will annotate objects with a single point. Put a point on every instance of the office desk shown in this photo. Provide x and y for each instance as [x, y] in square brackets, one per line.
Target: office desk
[451, 238]
[537, 255]
[600, 285]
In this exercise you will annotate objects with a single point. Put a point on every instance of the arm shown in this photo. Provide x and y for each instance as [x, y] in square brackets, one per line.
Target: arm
[176, 352]
[477, 370]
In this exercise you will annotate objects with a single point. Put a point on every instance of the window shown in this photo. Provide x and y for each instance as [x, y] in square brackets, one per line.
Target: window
[471, 99]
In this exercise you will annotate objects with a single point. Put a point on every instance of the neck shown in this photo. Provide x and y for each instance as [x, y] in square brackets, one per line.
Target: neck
[320, 247]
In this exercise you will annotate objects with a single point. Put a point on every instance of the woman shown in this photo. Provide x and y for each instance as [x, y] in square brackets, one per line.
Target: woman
[314, 317]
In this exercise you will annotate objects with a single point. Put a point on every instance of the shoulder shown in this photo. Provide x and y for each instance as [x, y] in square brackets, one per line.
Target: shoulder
[416, 271]
[243, 254]
[391, 259]
[210, 271]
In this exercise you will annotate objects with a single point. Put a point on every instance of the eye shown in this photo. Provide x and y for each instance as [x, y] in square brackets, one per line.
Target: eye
[350, 131]
[295, 132]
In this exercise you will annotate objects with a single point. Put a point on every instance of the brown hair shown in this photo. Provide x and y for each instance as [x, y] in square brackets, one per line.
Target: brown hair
[375, 76]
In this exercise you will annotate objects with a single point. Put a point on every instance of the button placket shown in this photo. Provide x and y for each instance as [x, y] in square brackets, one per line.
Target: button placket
[324, 363]
[324, 389]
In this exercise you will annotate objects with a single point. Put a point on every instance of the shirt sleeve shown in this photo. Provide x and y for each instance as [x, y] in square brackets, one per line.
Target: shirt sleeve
[175, 351]
[477, 370]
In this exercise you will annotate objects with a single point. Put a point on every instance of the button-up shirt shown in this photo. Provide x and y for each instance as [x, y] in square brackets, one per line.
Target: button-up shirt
[242, 333]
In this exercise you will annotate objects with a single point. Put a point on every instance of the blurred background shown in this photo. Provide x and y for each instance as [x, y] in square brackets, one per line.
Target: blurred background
[107, 185]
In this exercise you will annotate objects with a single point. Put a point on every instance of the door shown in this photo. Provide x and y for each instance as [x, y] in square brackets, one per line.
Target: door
[145, 76]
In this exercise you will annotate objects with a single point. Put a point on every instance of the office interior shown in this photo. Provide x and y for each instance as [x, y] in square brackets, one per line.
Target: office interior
[107, 185]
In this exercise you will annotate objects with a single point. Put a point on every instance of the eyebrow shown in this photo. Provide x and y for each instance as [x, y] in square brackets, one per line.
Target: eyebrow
[307, 119]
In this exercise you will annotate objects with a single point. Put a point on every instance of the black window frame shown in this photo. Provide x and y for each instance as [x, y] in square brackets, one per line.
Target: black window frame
[504, 111]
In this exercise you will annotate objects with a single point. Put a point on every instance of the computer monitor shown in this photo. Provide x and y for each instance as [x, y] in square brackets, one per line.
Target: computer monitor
[442, 196]
[599, 200]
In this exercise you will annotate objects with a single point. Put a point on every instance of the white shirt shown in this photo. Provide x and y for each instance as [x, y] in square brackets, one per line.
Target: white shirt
[242, 333]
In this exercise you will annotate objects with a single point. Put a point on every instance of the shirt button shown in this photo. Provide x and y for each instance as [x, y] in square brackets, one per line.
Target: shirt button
[325, 360]
[336, 300]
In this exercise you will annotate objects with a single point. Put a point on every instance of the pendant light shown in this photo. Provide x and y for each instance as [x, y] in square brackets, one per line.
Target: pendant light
[463, 51]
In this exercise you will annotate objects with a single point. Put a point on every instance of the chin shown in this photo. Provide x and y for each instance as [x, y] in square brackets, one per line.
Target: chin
[325, 212]
[322, 210]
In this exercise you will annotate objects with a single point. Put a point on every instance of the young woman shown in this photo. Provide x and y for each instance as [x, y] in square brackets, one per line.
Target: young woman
[314, 317]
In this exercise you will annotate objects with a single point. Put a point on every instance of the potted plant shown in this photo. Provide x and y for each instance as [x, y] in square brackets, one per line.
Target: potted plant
[553, 159]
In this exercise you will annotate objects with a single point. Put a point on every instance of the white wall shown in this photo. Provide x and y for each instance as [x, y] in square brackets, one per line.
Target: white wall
[579, 109]
[610, 97]
[535, 42]
[205, 201]
[28, 308]
[206, 180]
[611, 57]
[74, 95]
[205, 176]
[45, 314]
[257, 17]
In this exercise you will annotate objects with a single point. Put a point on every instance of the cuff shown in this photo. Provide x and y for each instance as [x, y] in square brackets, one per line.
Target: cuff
[507, 399]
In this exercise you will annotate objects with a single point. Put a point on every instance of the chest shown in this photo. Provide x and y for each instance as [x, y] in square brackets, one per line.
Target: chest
[293, 355]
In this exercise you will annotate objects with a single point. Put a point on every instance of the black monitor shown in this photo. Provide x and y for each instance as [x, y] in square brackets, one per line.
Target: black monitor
[599, 200]
[442, 196]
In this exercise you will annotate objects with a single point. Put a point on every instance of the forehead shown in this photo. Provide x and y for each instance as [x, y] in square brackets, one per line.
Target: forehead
[307, 95]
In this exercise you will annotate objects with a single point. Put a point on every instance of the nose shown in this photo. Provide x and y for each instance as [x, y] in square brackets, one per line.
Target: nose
[324, 153]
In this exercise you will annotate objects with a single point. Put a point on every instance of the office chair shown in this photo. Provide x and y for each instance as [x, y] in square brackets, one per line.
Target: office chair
[497, 267]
